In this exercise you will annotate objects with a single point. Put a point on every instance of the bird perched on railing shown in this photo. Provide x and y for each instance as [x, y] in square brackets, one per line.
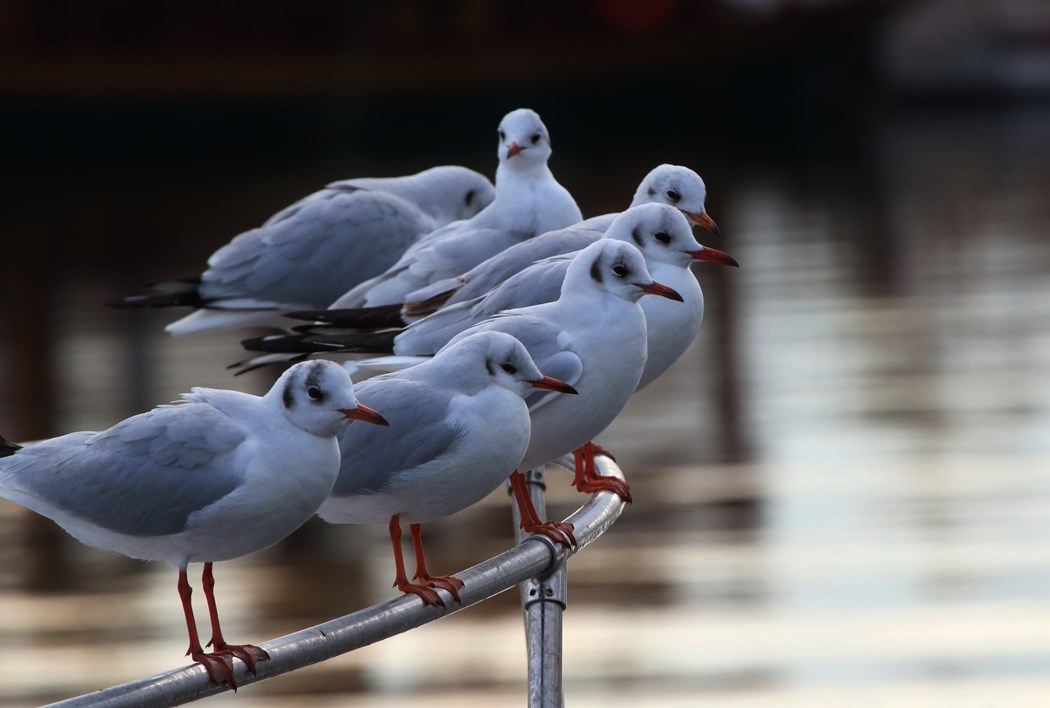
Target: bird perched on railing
[216, 476]
[311, 252]
[459, 427]
[593, 337]
[528, 202]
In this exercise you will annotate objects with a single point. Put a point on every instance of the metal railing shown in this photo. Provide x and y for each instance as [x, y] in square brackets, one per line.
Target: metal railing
[536, 564]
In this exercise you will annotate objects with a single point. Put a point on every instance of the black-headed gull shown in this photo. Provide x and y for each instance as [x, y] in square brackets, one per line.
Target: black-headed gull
[660, 232]
[216, 476]
[459, 427]
[674, 185]
[311, 252]
[528, 202]
[592, 337]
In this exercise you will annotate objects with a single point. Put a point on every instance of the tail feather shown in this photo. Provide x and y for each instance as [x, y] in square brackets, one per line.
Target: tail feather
[379, 317]
[8, 448]
[360, 342]
[189, 298]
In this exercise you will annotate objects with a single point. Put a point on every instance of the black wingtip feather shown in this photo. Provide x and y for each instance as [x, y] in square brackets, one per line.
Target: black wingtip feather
[379, 317]
[181, 299]
[8, 448]
[357, 342]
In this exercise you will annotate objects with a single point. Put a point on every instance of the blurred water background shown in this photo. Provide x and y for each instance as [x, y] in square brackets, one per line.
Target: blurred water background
[842, 492]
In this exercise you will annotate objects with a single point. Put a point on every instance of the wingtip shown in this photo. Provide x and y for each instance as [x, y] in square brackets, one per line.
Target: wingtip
[8, 448]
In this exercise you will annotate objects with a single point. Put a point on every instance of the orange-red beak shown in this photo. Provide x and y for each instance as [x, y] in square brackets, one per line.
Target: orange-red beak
[713, 255]
[514, 149]
[655, 288]
[553, 384]
[703, 220]
[363, 412]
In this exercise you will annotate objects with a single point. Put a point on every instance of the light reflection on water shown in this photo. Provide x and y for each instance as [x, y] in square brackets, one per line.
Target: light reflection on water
[841, 490]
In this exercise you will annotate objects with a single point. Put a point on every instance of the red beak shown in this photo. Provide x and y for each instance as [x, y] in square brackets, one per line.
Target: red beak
[703, 221]
[655, 288]
[363, 412]
[713, 255]
[514, 149]
[553, 384]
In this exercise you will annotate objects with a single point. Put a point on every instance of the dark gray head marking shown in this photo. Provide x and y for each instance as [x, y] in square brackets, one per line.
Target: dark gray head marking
[636, 234]
[652, 192]
[470, 197]
[488, 367]
[313, 382]
[286, 395]
[596, 270]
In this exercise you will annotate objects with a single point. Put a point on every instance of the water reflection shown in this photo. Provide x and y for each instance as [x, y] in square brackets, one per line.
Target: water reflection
[841, 489]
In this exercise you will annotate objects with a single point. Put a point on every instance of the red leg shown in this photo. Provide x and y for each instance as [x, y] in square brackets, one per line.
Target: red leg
[427, 595]
[248, 653]
[219, 668]
[557, 531]
[587, 478]
[445, 582]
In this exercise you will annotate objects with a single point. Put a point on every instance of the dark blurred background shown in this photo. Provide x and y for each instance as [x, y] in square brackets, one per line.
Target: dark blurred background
[841, 490]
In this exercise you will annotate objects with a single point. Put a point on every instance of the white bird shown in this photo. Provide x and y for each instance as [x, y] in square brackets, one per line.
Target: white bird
[593, 337]
[674, 185]
[216, 476]
[459, 427]
[309, 253]
[528, 202]
[665, 240]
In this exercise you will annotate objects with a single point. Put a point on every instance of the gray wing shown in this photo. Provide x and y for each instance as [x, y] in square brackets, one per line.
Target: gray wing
[418, 433]
[437, 257]
[142, 477]
[497, 269]
[316, 252]
[544, 342]
[537, 284]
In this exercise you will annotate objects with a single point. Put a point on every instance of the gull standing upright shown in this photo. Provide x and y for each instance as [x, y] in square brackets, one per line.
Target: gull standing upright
[216, 476]
[309, 253]
[593, 337]
[459, 427]
[528, 202]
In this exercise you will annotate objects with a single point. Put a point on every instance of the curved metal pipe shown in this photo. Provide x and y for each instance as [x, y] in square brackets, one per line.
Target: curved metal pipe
[533, 557]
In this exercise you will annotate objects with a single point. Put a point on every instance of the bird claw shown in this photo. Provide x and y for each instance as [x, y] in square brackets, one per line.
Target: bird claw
[449, 583]
[218, 665]
[559, 532]
[429, 596]
[606, 484]
[248, 653]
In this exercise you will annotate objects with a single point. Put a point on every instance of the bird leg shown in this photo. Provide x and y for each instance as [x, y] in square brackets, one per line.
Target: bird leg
[219, 668]
[587, 478]
[446, 582]
[429, 596]
[557, 531]
[248, 653]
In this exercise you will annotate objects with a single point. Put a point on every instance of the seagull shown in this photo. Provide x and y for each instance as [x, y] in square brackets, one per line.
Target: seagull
[216, 476]
[663, 236]
[309, 253]
[459, 427]
[593, 337]
[528, 202]
[674, 185]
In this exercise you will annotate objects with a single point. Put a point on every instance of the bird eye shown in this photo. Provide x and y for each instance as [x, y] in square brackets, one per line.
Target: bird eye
[673, 195]
[502, 135]
[620, 270]
[662, 237]
[510, 368]
[535, 138]
[314, 393]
